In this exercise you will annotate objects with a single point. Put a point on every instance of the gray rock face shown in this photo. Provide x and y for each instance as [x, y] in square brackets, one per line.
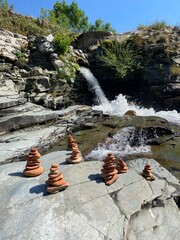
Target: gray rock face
[10, 44]
[87, 209]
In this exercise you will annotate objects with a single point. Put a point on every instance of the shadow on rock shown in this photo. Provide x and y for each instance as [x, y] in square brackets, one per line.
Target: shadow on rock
[63, 163]
[16, 174]
[41, 188]
[95, 177]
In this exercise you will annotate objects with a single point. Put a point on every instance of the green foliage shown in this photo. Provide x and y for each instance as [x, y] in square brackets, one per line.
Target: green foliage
[120, 57]
[72, 18]
[71, 15]
[21, 24]
[157, 25]
[68, 67]
[100, 26]
[4, 5]
[19, 54]
[62, 42]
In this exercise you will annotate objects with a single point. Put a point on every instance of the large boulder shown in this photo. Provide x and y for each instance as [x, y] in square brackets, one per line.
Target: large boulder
[131, 208]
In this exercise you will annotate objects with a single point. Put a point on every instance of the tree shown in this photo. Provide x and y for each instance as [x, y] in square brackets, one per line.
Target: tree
[72, 15]
[100, 26]
[4, 5]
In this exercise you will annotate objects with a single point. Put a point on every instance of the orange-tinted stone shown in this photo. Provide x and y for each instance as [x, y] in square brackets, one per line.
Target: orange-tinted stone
[33, 167]
[55, 182]
[53, 189]
[33, 172]
[71, 141]
[121, 166]
[76, 156]
[147, 173]
[109, 171]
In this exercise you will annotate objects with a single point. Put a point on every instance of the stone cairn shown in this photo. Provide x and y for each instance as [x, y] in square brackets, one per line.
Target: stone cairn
[33, 166]
[121, 166]
[71, 141]
[76, 156]
[109, 171]
[147, 173]
[55, 182]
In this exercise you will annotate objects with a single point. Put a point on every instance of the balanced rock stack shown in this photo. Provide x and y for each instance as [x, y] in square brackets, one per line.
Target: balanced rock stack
[76, 156]
[55, 182]
[109, 171]
[33, 167]
[71, 141]
[121, 166]
[147, 173]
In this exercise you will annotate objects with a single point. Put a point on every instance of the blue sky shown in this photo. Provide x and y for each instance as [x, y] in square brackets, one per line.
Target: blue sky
[123, 15]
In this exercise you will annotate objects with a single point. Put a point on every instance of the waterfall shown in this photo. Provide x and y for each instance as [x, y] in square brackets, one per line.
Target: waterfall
[122, 145]
[94, 86]
[120, 105]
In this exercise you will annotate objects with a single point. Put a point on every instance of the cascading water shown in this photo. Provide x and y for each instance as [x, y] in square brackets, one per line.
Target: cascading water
[120, 106]
[121, 144]
[94, 86]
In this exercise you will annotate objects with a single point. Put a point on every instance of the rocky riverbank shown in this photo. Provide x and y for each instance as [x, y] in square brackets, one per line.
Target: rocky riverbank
[131, 208]
[31, 74]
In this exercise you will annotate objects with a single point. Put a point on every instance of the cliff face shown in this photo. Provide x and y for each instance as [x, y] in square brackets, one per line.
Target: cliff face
[157, 83]
[31, 66]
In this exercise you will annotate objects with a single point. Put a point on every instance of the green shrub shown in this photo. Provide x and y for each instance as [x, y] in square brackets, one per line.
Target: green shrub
[158, 25]
[120, 57]
[62, 42]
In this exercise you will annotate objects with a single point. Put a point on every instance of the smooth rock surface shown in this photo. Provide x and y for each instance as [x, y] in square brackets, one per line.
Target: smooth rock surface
[87, 209]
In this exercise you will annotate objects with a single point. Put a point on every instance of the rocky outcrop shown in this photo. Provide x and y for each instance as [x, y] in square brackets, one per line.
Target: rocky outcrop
[87, 209]
[157, 82]
[31, 67]
[24, 124]
[34, 69]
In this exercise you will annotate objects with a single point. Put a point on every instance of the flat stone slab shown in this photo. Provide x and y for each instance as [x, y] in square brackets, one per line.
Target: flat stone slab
[23, 116]
[10, 101]
[87, 209]
[157, 169]
[17, 144]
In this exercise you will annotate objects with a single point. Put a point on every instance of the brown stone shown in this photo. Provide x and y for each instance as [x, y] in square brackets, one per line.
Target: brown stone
[33, 167]
[55, 182]
[71, 142]
[147, 173]
[76, 156]
[121, 166]
[53, 189]
[109, 171]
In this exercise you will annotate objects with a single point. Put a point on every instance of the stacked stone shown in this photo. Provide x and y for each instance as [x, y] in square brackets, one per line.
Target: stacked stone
[76, 156]
[55, 182]
[147, 173]
[71, 141]
[109, 171]
[121, 166]
[33, 167]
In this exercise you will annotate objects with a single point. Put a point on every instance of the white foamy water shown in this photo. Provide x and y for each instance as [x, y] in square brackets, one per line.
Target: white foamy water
[120, 106]
[94, 86]
[120, 145]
